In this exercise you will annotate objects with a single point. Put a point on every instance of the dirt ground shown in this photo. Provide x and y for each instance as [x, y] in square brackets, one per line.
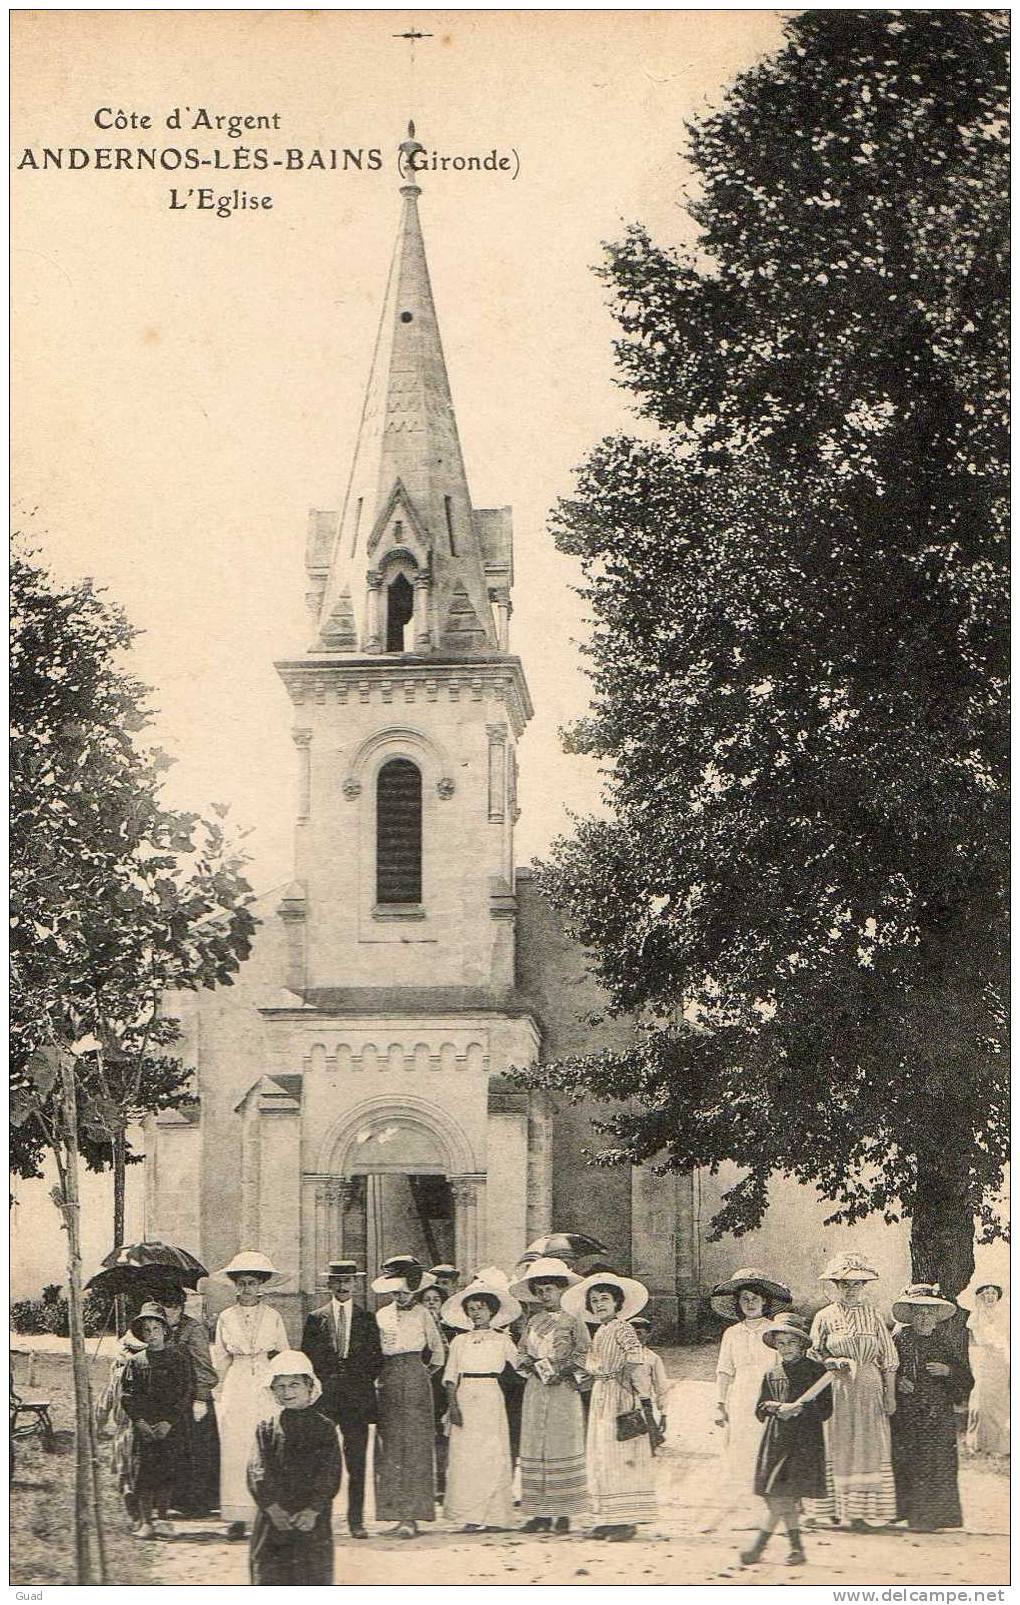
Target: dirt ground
[695, 1540]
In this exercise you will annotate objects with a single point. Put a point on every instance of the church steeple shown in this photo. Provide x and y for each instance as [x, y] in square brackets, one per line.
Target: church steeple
[409, 565]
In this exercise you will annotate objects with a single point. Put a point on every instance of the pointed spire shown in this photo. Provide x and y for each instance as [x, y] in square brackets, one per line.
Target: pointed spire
[408, 487]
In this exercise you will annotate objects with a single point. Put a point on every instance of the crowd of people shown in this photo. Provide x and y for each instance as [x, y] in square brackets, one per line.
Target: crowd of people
[856, 1423]
[549, 1376]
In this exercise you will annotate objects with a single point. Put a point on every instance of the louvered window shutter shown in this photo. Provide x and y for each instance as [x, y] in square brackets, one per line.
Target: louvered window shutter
[398, 833]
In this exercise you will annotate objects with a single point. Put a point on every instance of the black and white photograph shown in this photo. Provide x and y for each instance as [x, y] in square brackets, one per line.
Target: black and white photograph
[510, 799]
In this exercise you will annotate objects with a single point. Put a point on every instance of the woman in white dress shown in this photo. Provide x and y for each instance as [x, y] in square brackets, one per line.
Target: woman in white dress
[248, 1335]
[479, 1476]
[988, 1326]
[748, 1299]
[621, 1480]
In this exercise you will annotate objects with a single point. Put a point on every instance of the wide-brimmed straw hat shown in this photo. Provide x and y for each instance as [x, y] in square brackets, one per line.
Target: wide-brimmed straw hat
[249, 1262]
[400, 1262]
[792, 1323]
[453, 1312]
[412, 1279]
[726, 1294]
[922, 1295]
[148, 1312]
[444, 1270]
[849, 1268]
[292, 1363]
[544, 1270]
[635, 1294]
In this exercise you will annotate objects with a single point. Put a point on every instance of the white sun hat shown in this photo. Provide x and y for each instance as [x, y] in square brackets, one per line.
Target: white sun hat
[544, 1270]
[635, 1294]
[291, 1363]
[249, 1262]
[922, 1295]
[411, 1280]
[849, 1268]
[454, 1313]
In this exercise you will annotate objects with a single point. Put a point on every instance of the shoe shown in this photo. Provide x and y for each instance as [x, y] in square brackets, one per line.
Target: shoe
[145, 1529]
[235, 1530]
[561, 1524]
[538, 1524]
[358, 1532]
[620, 1535]
[796, 1557]
[751, 1557]
[407, 1529]
[600, 1532]
[164, 1528]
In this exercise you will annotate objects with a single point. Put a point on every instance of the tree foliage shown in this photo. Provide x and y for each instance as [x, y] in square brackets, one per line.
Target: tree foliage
[798, 651]
[116, 898]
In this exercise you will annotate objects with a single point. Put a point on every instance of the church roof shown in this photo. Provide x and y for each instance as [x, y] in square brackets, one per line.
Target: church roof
[408, 488]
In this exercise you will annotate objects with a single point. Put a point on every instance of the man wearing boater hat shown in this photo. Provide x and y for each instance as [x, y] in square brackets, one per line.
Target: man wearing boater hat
[342, 1342]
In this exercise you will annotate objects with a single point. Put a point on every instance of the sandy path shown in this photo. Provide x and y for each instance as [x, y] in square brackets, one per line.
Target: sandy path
[695, 1540]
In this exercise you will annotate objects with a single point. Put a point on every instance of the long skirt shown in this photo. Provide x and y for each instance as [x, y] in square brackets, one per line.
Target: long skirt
[553, 1480]
[988, 1426]
[478, 1477]
[198, 1483]
[620, 1474]
[858, 1454]
[925, 1466]
[241, 1405]
[404, 1470]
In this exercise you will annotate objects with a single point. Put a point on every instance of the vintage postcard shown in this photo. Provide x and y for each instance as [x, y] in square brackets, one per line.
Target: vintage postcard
[509, 796]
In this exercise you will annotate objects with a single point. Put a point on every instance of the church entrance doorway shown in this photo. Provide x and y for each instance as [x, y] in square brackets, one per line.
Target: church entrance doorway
[399, 1198]
[399, 1212]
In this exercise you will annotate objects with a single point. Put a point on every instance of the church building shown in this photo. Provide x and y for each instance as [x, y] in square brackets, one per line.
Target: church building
[352, 1083]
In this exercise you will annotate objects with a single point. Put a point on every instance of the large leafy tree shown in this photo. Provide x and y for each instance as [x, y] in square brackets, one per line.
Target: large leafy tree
[117, 899]
[797, 590]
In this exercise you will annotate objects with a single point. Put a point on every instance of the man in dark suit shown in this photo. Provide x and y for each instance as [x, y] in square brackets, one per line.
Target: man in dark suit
[342, 1342]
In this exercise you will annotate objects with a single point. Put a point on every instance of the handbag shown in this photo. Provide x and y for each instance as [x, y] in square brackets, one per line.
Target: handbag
[631, 1424]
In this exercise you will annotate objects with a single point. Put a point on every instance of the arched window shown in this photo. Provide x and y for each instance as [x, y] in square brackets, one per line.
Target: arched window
[398, 833]
[399, 612]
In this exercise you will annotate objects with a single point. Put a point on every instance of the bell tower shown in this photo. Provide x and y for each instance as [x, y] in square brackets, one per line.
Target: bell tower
[400, 1002]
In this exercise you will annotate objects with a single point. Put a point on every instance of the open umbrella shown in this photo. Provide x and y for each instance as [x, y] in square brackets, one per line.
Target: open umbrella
[144, 1267]
[569, 1246]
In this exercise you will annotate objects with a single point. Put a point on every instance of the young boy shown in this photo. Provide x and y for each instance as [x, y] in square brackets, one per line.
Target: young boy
[155, 1395]
[294, 1476]
[660, 1383]
[791, 1459]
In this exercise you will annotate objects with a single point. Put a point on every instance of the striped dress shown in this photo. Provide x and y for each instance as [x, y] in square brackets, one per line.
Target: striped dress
[553, 1480]
[858, 1450]
[620, 1476]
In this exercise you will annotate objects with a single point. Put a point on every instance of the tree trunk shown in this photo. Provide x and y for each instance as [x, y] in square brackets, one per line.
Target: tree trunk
[119, 1150]
[942, 1226]
[85, 1488]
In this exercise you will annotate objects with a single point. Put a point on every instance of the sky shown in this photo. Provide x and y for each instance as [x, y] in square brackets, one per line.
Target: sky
[187, 386]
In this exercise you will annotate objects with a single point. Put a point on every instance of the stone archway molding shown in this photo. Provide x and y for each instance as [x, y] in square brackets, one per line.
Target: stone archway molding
[397, 741]
[454, 1144]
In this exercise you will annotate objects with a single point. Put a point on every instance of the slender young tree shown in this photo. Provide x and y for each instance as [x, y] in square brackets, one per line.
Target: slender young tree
[116, 900]
[798, 656]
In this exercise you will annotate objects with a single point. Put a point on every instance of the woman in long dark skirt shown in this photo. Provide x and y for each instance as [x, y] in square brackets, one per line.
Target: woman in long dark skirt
[932, 1379]
[405, 1487]
[198, 1484]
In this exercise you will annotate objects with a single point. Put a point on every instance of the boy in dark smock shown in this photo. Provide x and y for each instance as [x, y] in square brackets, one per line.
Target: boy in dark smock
[931, 1381]
[294, 1476]
[791, 1457]
[156, 1395]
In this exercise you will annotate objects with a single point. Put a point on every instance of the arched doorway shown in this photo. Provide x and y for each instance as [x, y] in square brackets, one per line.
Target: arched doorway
[400, 1201]
[394, 1175]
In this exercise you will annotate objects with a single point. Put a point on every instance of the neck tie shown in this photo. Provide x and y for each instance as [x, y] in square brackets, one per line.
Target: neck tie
[340, 1331]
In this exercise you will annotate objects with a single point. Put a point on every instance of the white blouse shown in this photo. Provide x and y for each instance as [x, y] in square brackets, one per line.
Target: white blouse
[409, 1331]
[479, 1353]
